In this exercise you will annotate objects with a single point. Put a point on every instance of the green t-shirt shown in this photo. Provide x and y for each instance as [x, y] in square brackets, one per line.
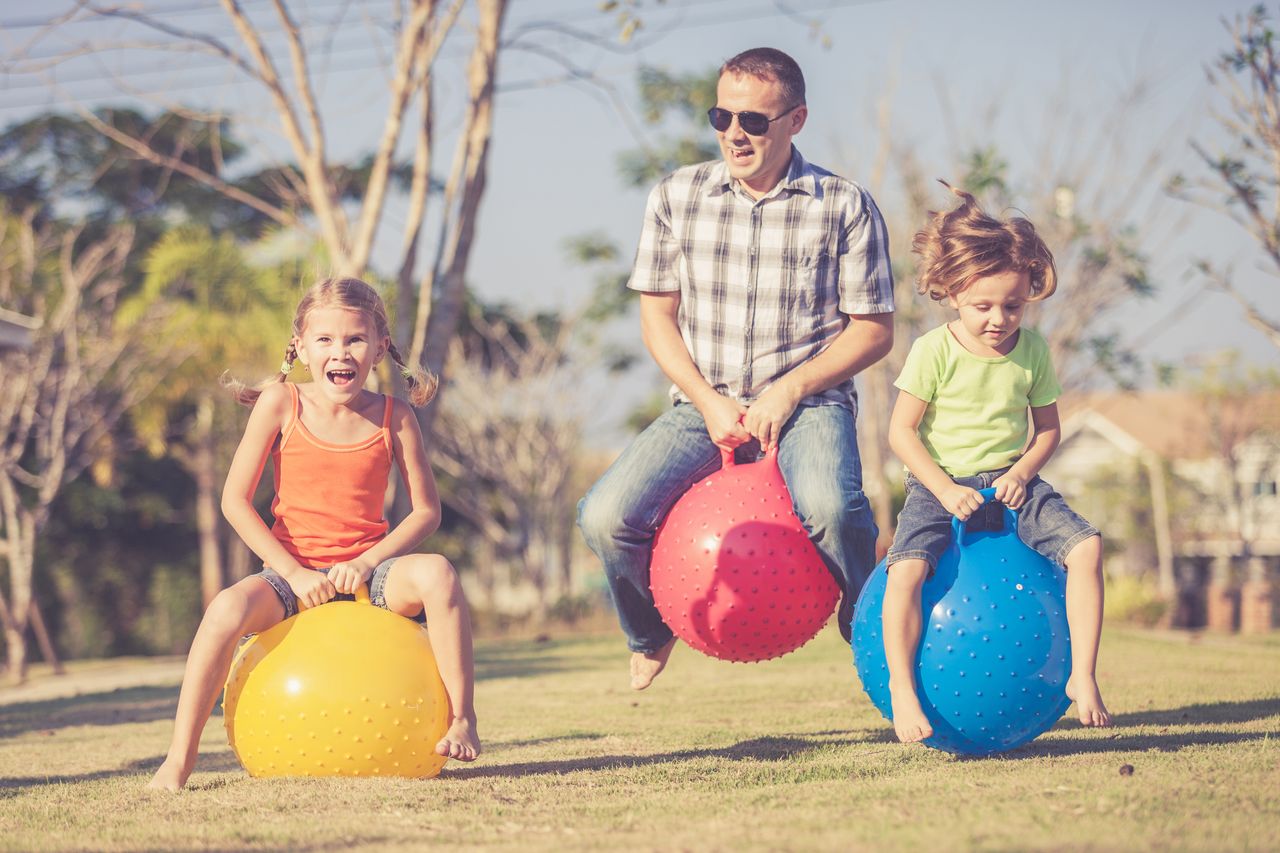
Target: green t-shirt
[977, 418]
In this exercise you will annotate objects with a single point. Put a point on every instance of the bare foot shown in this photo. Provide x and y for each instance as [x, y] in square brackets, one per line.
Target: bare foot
[171, 776]
[1084, 692]
[645, 666]
[909, 721]
[461, 742]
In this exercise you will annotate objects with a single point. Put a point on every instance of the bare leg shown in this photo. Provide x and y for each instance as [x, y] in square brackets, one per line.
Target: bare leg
[645, 666]
[901, 619]
[1084, 617]
[419, 582]
[248, 607]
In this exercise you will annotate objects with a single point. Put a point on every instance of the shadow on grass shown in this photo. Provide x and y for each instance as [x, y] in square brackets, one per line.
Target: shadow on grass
[216, 762]
[1135, 742]
[1217, 712]
[108, 708]
[528, 658]
[771, 749]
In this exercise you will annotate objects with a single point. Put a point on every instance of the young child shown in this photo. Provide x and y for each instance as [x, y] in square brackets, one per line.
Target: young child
[332, 444]
[960, 424]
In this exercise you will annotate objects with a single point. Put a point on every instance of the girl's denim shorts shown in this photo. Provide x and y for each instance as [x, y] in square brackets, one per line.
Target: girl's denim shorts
[1045, 521]
[377, 589]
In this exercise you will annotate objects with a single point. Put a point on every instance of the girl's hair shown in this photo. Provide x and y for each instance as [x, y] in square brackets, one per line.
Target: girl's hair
[966, 243]
[355, 295]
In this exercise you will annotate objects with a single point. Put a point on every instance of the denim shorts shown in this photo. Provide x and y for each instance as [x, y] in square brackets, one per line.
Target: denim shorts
[377, 589]
[1045, 522]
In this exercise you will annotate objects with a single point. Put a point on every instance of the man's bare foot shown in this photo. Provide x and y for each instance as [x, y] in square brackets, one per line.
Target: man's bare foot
[461, 742]
[1084, 692]
[645, 666]
[171, 776]
[909, 722]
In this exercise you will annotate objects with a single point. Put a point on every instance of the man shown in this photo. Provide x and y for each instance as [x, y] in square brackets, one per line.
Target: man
[764, 288]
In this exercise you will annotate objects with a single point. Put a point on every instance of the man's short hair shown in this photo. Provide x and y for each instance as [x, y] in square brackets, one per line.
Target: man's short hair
[767, 63]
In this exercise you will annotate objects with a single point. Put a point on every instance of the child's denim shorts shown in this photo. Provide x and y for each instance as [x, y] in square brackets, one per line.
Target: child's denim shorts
[377, 589]
[1045, 522]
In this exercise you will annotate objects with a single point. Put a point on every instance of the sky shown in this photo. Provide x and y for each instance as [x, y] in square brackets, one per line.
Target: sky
[1030, 78]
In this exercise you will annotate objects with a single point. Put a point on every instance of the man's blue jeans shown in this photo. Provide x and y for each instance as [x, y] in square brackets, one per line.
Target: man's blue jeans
[818, 455]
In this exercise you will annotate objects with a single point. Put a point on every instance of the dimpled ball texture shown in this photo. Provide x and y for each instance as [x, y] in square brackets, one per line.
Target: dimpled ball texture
[344, 689]
[995, 652]
[734, 573]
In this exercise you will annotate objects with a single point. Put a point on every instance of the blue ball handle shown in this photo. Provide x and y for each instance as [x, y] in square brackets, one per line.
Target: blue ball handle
[988, 494]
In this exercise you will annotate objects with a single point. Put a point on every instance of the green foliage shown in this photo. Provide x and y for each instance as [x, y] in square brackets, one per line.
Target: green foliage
[122, 560]
[677, 102]
[1133, 601]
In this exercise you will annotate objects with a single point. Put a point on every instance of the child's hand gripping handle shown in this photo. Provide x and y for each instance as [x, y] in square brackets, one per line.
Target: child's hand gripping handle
[988, 494]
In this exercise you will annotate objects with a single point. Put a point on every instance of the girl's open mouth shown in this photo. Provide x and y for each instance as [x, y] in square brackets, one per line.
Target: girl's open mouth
[341, 377]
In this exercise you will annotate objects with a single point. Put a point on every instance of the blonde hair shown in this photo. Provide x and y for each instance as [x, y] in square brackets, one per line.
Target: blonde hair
[966, 243]
[355, 295]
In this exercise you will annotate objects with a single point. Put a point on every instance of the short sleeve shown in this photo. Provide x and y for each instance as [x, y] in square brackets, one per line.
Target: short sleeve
[866, 278]
[920, 374]
[1044, 380]
[654, 270]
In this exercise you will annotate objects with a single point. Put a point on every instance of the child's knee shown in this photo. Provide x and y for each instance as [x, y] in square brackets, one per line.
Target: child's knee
[907, 574]
[228, 613]
[1085, 554]
[431, 575]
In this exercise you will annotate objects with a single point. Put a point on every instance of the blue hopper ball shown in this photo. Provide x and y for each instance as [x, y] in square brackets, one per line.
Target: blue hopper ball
[995, 653]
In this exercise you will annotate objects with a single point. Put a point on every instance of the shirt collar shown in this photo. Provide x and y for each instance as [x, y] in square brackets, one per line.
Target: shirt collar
[799, 178]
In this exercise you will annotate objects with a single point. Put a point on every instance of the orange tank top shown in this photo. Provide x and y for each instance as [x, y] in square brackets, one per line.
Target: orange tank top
[329, 497]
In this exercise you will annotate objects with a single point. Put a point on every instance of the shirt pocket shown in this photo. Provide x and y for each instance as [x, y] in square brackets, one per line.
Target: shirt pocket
[807, 278]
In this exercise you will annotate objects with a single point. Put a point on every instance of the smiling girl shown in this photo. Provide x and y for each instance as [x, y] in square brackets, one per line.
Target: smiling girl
[332, 444]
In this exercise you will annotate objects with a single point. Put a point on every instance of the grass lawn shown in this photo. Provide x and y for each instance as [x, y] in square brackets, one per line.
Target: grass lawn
[786, 755]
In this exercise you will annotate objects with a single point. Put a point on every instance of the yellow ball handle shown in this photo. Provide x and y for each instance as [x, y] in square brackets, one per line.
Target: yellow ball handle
[362, 594]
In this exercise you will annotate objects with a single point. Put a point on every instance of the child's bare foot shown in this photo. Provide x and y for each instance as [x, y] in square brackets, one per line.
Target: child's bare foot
[171, 776]
[909, 722]
[461, 742]
[645, 666]
[1084, 692]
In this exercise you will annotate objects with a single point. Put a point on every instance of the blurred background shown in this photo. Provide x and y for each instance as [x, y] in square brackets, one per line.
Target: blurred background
[175, 173]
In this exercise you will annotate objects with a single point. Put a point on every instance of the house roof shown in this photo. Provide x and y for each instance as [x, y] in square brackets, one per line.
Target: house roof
[1173, 424]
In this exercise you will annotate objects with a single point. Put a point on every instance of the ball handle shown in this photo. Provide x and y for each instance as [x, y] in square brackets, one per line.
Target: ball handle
[727, 460]
[362, 594]
[1010, 518]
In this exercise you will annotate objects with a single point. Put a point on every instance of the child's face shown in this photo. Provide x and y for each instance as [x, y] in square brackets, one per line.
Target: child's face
[340, 347]
[991, 311]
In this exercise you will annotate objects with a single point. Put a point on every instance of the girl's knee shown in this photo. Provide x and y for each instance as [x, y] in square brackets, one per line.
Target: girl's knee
[228, 613]
[429, 574]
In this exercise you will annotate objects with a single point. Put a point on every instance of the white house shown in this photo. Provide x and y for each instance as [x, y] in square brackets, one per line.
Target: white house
[1226, 527]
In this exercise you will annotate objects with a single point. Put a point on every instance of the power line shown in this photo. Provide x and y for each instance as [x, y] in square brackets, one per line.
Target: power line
[682, 22]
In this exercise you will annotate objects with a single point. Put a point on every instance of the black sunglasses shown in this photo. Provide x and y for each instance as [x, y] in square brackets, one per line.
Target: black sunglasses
[753, 124]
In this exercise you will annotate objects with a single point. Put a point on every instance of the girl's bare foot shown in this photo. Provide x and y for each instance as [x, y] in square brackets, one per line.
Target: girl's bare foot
[1084, 692]
[645, 666]
[461, 742]
[909, 722]
[171, 776]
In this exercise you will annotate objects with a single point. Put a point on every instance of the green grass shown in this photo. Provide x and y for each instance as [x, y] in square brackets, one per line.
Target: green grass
[787, 755]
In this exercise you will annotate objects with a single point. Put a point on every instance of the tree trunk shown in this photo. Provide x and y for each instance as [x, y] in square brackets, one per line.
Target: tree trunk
[875, 448]
[44, 640]
[442, 318]
[206, 476]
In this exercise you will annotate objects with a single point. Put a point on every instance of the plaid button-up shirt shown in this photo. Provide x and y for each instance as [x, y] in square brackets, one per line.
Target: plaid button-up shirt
[764, 285]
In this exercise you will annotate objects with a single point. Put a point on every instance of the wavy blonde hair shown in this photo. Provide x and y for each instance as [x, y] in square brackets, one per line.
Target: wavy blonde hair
[355, 295]
[966, 243]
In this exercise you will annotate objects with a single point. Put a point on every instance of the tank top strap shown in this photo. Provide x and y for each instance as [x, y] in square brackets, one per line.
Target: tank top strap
[295, 413]
[386, 425]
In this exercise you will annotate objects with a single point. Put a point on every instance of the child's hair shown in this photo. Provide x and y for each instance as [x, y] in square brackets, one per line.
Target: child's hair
[966, 243]
[355, 295]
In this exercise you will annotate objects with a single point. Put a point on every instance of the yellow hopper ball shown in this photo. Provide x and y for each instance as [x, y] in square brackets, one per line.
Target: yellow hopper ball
[344, 689]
